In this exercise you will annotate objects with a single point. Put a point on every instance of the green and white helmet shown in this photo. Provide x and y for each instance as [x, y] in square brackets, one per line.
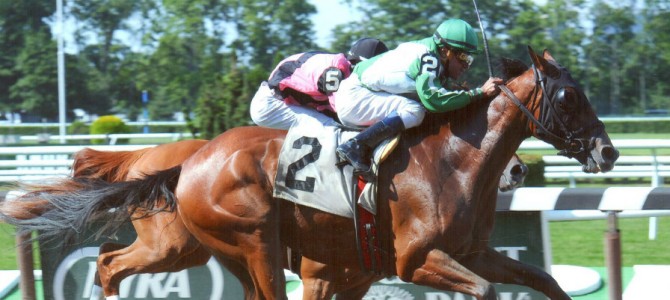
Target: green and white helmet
[457, 34]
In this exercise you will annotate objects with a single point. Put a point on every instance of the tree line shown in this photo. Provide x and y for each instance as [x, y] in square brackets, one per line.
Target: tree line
[206, 58]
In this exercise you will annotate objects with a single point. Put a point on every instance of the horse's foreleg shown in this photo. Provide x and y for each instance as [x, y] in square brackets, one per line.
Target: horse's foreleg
[499, 268]
[442, 272]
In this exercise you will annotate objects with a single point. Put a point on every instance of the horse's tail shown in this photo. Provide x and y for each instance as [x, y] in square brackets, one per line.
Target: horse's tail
[110, 166]
[62, 211]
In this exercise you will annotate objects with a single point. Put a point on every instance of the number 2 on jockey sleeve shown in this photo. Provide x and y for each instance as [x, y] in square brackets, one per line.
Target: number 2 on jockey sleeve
[430, 65]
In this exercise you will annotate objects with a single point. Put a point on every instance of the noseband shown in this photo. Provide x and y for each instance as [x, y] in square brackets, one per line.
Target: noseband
[565, 140]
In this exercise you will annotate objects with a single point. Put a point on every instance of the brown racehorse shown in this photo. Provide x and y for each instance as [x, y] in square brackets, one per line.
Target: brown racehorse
[163, 244]
[436, 206]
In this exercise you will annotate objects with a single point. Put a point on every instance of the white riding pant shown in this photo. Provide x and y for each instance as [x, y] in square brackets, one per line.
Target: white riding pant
[268, 110]
[358, 106]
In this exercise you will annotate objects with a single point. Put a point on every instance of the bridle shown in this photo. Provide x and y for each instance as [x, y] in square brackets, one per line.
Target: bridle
[565, 140]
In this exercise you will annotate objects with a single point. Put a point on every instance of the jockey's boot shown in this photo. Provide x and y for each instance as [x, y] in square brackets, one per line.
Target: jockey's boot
[357, 151]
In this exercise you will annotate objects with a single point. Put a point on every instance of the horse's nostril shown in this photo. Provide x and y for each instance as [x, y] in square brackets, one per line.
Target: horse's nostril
[609, 153]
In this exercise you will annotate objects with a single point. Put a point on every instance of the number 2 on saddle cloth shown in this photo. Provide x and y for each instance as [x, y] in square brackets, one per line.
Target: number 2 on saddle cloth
[307, 175]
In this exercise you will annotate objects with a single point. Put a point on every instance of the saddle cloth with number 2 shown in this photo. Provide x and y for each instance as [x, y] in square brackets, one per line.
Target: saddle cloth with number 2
[307, 173]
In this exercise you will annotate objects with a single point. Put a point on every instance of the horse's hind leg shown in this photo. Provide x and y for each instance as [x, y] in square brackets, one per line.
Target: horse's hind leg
[496, 267]
[98, 286]
[114, 266]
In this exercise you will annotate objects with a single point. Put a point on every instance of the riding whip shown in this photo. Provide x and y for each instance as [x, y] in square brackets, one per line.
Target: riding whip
[486, 43]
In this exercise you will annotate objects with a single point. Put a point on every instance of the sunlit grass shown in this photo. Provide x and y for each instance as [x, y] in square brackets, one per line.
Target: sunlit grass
[582, 242]
[8, 249]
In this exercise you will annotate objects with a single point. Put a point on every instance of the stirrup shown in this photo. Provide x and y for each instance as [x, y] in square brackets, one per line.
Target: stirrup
[340, 160]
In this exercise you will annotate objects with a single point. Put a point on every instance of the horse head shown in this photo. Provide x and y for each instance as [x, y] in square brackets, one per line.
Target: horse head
[562, 116]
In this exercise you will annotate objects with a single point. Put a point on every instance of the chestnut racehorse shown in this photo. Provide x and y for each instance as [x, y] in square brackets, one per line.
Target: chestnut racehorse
[436, 197]
[163, 244]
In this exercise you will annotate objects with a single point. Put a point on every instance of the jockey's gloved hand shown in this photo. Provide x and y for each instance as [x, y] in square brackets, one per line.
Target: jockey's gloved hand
[490, 87]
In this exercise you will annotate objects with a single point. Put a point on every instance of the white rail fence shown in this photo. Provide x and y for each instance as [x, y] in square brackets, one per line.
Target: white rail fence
[110, 139]
[651, 166]
[29, 163]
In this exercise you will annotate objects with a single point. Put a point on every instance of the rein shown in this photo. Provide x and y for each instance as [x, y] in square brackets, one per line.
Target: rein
[568, 145]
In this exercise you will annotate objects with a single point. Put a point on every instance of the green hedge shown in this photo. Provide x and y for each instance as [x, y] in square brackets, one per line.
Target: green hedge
[107, 125]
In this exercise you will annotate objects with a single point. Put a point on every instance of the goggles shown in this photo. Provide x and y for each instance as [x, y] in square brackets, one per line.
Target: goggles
[466, 58]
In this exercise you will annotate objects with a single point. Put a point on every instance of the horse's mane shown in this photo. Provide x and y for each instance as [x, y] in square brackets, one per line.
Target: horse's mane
[511, 68]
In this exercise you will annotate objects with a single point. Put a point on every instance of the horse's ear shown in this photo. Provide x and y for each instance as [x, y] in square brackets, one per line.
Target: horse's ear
[542, 64]
[536, 59]
[547, 55]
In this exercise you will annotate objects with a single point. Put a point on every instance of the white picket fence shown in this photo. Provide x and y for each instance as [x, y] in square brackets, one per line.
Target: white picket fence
[31, 163]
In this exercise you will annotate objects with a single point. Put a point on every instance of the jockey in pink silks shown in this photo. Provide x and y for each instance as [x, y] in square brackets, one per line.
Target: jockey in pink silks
[304, 85]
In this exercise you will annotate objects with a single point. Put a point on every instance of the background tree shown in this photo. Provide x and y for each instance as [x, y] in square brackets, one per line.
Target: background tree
[272, 29]
[185, 53]
[606, 53]
[25, 32]
[224, 103]
[34, 88]
[188, 54]
[100, 22]
[655, 56]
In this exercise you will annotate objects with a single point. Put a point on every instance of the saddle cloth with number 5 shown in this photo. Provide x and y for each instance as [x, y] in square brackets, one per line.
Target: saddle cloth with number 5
[307, 173]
